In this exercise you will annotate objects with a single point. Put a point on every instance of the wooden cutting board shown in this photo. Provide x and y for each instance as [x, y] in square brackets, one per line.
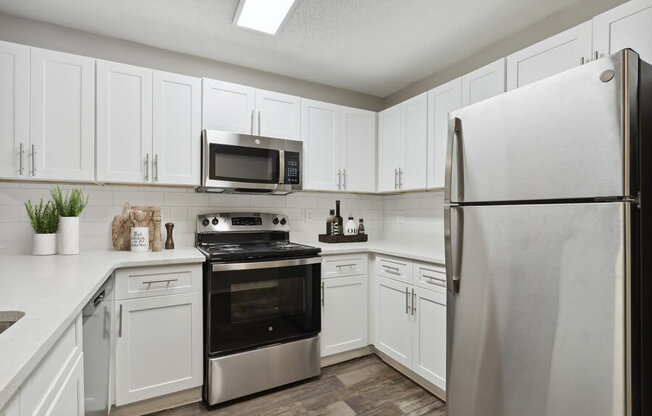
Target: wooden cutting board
[121, 228]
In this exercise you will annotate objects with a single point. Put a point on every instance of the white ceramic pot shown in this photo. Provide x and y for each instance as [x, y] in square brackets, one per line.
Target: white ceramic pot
[44, 244]
[68, 235]
[139, 239]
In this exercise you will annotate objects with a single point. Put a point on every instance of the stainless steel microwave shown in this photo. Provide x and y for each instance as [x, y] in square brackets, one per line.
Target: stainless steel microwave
[241, 163]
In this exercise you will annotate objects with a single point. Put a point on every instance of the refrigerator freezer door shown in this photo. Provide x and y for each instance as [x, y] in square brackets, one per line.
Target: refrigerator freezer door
[559, 138]
[536, 327]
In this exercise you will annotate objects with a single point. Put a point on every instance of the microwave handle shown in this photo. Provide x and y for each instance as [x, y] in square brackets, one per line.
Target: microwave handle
[281, 168]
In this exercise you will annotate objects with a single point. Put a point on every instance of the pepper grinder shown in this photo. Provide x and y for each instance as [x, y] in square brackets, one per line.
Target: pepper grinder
[169, 242]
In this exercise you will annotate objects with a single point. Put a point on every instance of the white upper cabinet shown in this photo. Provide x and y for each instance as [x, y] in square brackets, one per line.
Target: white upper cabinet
[176, 129]
[124, 123]
[441, 101]
[402, 144]
[320, 132]
[358, 150]
[552, 56]
[278, 115]
[626, 26]
[412, 174]
[483, 83]
[62, 116]
[390, 147]
[246, 110]
[228, 107]
[14, 111]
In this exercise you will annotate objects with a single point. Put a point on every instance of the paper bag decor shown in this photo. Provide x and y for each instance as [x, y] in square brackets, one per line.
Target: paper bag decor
[150, 216]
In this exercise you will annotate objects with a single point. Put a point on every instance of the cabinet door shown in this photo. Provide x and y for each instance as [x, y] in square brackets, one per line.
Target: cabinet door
[412, 172]
[12, 408]
[484, 83]
[320, 132]
[278, 115]
[14, 110]
[62, 116]
[430, 336]
[124, 123]
[358, 154]
[394, 320]
[176, 129]
[159, 346]
[390, 147]
[70, 399]
[552, 56]
[441, 101]
[228, 107]
[626, 26]
[344, 314]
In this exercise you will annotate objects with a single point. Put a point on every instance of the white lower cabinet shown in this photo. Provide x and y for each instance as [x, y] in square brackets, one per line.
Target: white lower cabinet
[159, 338]
[12, 408]
[70, 398]
[344, 314]
[411, 321]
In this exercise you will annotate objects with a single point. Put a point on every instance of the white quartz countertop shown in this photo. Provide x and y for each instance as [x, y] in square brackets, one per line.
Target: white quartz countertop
[425, 250]
[51, 291]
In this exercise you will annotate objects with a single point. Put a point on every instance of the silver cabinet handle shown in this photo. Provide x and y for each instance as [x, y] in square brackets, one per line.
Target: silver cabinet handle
[582, 60]
[150, 282]
[400, 178]
[33, 160]
[344, 178]
[259, 123]
[435, 280]
[21, 153]
[596, 55]
[395, 178]
[414, 307]
[252, 121]
[323, 294]
[407, 301]
[339, 179]
[146, 166]
[120, 323]
[155, 167]
[390, 267]
[345, 265]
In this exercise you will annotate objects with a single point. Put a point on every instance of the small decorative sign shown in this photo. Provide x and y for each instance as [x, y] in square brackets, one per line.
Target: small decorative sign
[139, 239]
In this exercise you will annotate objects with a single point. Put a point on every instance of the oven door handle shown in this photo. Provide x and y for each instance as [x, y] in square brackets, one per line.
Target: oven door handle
[222, 267]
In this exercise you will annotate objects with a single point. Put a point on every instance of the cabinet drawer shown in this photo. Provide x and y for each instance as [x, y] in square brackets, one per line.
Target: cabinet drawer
[42, 387]
[430, 276]
[344, 265]
[394, 268]
[159, 280]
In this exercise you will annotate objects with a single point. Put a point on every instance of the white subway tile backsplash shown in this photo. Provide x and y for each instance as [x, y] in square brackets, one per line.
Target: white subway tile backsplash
[138, 197]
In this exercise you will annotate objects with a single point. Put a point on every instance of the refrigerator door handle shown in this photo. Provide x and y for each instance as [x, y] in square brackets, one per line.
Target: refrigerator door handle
[454, 130]
[453, 261]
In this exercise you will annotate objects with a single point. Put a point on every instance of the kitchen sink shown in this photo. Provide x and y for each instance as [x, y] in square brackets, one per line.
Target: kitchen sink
[8, 318]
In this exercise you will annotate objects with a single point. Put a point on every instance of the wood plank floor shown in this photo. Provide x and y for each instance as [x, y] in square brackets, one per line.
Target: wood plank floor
[364, 386]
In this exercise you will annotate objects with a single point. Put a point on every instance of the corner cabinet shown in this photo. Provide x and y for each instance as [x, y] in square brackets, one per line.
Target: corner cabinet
[402, 145]
[344, 303]
[148, 126]
[552, 56]
[483, 83]
[339, 147]
[626, 26]
[245, 110]
[159, 347]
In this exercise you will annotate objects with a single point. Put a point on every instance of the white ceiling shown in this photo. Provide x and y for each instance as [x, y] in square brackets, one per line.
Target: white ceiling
[371, 46]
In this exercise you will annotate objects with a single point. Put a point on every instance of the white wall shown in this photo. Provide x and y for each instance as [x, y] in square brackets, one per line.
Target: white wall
[307, 211]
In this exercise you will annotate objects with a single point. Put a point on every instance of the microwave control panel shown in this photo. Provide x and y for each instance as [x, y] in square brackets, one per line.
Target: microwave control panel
[292, 168]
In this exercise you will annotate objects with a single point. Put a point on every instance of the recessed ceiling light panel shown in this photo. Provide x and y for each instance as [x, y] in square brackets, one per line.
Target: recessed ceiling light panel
[265, 16]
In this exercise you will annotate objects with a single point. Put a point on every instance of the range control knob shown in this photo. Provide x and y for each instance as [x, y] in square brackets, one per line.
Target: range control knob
[283, 221]
[275, 221]
[215, 221]
[205, 222]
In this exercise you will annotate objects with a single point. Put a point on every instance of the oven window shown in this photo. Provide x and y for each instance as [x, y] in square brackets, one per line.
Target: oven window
[243, 164]
[251, 308]
[266, 300]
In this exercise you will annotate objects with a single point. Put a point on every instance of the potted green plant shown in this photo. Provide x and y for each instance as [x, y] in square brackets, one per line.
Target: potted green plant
[69, 208]
[45, 222]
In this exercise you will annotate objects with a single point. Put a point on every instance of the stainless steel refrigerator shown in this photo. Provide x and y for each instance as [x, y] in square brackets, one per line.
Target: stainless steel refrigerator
[548, 246]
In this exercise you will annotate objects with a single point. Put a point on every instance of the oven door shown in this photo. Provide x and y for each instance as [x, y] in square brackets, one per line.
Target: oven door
[254, 304]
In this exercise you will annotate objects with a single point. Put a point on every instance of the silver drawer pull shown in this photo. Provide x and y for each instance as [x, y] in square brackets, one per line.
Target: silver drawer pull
[393, 272]
[150, 282]
[345, 265]
[436, 282]
[390, 267]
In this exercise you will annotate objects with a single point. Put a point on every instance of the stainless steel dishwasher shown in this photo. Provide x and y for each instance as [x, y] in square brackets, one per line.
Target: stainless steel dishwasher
[97, 318]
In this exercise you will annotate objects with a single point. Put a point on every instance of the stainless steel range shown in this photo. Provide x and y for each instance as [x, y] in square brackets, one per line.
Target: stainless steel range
[262, 316]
